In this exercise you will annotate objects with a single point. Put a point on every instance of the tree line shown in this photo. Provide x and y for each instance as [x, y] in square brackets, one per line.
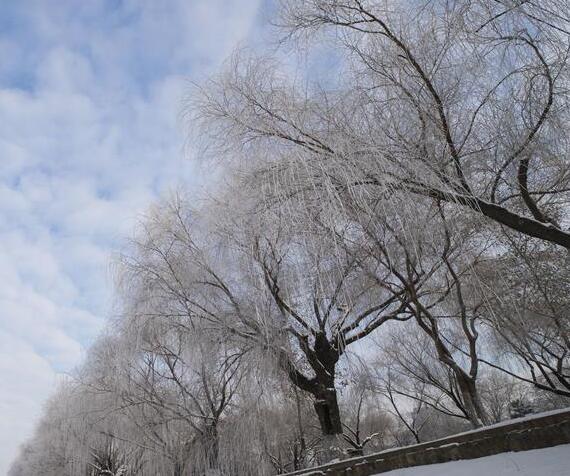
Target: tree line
[382, 259]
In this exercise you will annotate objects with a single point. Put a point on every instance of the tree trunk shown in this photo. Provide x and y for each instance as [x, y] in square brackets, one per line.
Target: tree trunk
[178, 468]
[322, 358]
[301, 455]
[212, 450]
[326, 407]
[471, 400]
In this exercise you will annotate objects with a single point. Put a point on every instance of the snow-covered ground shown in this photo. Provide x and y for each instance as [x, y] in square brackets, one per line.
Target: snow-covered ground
[553, 461]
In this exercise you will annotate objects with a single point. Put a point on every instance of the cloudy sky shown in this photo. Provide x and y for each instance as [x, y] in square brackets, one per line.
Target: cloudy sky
[91, 93]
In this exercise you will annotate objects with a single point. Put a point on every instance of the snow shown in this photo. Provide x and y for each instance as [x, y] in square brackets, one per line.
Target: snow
[451, 468]
[358, 459]
[554, 461]
[532, 416]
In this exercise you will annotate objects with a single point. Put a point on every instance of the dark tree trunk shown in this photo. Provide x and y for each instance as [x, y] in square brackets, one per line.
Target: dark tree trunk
[178, 468]
[212, 448]
[322, 358]
[326, 406]
[300, 456]
[325, 398]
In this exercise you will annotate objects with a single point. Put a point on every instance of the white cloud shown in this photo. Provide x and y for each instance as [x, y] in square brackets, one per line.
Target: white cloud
[89, 137]
[27, 380]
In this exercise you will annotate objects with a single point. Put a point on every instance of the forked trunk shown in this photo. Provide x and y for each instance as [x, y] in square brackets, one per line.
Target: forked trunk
[322, 358]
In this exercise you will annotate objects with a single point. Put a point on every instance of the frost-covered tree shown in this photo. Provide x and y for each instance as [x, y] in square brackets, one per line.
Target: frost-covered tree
[528, 304]
[419, 196]
[454, 105]
[269, 286]
[459, 102]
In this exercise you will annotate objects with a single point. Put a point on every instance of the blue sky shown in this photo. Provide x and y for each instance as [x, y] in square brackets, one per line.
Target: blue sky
[91, 93]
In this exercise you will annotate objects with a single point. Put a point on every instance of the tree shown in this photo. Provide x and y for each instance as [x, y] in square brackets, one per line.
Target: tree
[461, 102]
[420, 198]
[409, 373]
[519, 408]
[274, 289]
[528, 312]
[289, 429]
[498, 390]
[176, 385]
[366, 423]
[449, 106]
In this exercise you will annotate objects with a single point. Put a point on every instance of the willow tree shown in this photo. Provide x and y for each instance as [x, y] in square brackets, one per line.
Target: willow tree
[458, 105]
[270, 288]
[462, 102]
[528, 312]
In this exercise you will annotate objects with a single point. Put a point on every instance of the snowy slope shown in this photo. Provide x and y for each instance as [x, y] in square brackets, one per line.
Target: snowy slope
[553, 461]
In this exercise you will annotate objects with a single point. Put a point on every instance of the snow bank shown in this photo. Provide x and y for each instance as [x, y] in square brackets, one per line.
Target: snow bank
[553, 461]
[533, 416]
